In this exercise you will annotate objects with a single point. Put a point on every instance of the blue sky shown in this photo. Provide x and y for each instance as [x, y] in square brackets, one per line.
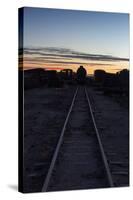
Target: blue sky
[81, 31]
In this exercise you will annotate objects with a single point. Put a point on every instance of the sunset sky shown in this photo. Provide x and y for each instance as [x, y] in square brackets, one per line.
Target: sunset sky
[58, 39]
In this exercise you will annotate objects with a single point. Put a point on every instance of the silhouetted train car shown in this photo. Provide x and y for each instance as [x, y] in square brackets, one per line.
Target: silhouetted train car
[33, 78]
[124, 77]
[99, 76]
[124, 80]
[113, 83]
[67, 76]
[53, 80]
[81, 75]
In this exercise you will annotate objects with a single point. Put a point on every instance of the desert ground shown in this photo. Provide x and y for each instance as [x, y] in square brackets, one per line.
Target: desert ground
[45, 110]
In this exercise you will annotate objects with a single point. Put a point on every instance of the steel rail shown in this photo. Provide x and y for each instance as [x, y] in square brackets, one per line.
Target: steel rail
[104, 158]
[54, 158]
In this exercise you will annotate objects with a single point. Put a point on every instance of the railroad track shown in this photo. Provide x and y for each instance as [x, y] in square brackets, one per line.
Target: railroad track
[79, 160]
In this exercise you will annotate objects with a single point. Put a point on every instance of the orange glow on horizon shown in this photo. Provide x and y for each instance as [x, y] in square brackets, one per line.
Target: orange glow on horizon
[91, 67]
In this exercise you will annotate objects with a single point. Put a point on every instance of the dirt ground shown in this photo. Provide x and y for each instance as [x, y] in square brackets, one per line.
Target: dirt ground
[113, 125]
[45, 110]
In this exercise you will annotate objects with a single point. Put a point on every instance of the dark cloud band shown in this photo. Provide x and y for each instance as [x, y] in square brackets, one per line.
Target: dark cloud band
[64, 55]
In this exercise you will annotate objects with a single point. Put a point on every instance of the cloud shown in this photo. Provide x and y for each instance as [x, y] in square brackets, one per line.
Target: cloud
[39, 60]
[64, 56]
